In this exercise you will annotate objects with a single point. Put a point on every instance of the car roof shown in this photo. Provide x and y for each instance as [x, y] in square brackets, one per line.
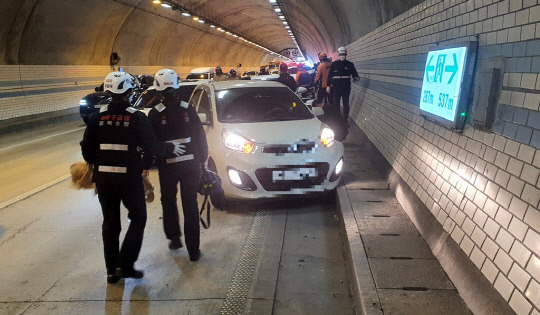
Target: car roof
[203, 70]
[223, 85]
[266, 77]
[194, 81]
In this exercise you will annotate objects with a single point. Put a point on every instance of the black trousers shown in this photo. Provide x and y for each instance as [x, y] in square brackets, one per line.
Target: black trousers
[169, 177]
[131, 194]
[342, 92]
[322, 95]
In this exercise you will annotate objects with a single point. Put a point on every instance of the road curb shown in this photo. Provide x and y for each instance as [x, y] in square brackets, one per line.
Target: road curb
[366, 298]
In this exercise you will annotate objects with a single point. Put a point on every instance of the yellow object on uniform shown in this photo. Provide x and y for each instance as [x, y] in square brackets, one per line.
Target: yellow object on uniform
[81, 175]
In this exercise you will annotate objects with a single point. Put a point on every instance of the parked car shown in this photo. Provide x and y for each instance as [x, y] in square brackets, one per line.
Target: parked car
[151, 98]
[265, 142]
[201, 74]
[94, 101]
[266, 77]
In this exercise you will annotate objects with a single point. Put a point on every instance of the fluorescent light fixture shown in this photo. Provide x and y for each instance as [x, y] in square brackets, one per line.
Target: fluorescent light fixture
[284, 22]
[156, 1]
[222, 30]
[186, 13]
[195, 18]
[234, 35]
[272, 1]
[166, 5]
[212, 26]
[287, 27]
[201, 21]
[277, 10]
[281, 17]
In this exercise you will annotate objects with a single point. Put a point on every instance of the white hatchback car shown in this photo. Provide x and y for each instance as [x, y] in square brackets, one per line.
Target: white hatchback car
[264, 141]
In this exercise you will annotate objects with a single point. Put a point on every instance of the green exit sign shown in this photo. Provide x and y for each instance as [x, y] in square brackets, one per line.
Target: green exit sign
[447, 79]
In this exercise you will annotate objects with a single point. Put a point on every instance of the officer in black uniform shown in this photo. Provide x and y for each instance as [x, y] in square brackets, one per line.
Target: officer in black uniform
[110, 143]
[340, 81]
[176, 122]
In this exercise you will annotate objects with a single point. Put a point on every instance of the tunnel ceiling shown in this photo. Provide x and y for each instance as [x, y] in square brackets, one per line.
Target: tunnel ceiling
[142, 33]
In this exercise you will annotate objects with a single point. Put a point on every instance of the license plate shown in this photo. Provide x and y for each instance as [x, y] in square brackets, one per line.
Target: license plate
[294, 174]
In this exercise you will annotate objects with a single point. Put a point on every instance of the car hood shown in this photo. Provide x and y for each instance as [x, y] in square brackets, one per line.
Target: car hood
[278, 131]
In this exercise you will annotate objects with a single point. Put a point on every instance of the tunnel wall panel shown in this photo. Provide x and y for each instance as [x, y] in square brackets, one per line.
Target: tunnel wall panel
[482, 187]
[36, 89]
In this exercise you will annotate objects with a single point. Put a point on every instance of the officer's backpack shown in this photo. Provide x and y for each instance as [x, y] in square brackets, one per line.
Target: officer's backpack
[211, 189]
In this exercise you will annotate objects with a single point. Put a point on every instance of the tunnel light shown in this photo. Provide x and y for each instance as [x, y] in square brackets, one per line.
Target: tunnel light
[222, 30]
[272, 1]
[185, 13]
[166, 5]
[234, 35]
[212, 26]
[156, 1]
[287, 27]
[278, 10]
[228, 33]
[284, 22]
[281, 17]
[195, 18]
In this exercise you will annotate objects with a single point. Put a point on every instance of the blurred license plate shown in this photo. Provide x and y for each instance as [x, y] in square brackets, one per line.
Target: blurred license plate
[294, 174]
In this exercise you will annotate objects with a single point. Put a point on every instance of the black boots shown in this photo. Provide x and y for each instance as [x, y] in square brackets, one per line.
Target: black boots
[195, 255]
[128, 273]
[175, 243]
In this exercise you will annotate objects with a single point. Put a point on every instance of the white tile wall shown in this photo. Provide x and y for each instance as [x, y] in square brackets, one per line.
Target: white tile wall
[482, 182]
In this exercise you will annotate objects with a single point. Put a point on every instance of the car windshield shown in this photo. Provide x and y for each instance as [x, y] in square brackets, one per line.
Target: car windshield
[261, 104]
[151, 98]
[197, 76]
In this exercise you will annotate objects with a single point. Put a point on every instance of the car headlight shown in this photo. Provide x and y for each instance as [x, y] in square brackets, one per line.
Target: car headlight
[237, 143]
[327, 137]
[83, 102]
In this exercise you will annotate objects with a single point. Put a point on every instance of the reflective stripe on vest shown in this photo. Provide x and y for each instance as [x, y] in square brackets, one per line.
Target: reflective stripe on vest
[180, 141]
[112, 169]
[180, 159]
[342, 77]
[114, 147]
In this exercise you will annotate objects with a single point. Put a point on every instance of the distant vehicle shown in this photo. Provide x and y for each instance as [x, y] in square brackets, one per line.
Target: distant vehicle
[266, 77]
[151, 98]
[250, 73]
[298, 156]
[201, 74]
[274, 71]
[94, 101]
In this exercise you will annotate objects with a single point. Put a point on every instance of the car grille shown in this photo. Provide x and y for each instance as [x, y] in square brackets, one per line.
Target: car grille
[304, 147]
[264, 176]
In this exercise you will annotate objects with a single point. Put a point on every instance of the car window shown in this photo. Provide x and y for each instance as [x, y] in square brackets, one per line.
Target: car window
[148, 99]
[205, 106]
[184, 92]
[194, 100]
[197, 76]
[261, 104]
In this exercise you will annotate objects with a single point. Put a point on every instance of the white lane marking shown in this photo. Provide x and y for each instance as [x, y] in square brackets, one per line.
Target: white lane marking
[40, 139]
[33, 191]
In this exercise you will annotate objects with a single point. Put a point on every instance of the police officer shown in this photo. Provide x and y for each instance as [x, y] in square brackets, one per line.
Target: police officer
[340, 80]
[220, 76]
[110, 143]
[176, 122]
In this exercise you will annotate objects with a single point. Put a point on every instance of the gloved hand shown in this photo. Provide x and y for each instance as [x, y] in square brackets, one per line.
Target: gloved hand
[328, 90]
[356, 79]
[179, 149]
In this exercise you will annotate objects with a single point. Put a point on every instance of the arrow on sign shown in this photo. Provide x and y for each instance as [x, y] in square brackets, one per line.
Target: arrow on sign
[429, 67]
[453, 69]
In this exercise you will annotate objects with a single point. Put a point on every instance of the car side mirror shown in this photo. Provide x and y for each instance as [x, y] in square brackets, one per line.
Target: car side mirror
[301, 90]
[317, 111]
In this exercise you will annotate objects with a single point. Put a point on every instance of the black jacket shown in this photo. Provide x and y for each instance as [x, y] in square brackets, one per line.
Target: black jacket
[288, 80]
[340, 68]
[174, 120]
[111, 142]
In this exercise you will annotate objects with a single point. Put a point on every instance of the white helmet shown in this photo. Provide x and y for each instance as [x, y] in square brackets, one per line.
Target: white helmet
[342, 51]
[118, 82]
[165, 78]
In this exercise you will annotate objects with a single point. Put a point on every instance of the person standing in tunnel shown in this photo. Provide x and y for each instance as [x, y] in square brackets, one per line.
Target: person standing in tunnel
[220, 76]
[323, 70]
[110, 143]
[175, 121]
[233, 76]
[286, 78]
[339, 79]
